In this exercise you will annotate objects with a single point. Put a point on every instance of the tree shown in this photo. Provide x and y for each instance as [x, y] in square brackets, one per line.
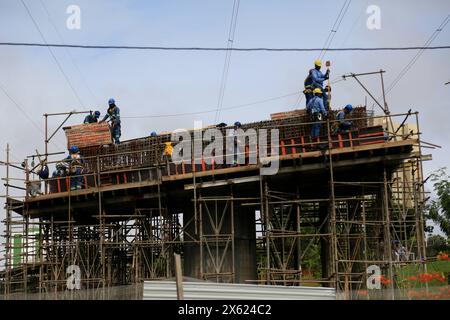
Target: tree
[436, 244]
[439, 209]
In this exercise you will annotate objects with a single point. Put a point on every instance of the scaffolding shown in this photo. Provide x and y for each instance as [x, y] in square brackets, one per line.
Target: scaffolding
[356, 202]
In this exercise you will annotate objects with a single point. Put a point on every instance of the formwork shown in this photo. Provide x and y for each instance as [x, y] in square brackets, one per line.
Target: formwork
[337, 197]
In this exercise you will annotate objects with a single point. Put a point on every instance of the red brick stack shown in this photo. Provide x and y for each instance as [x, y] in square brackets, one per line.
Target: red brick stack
[88, 135]
[288, 114]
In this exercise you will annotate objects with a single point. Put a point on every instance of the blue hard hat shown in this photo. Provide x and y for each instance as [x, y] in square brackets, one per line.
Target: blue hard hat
[349, 107]
[111, 101]
[237, 124]
[73, 149]
[153, 134]
[97, 113]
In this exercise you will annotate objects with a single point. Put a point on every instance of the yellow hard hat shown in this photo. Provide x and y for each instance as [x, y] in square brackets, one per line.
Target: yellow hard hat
[317, 90]
[318, 63]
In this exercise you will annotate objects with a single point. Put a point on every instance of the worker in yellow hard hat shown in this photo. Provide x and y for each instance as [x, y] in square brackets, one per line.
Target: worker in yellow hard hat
[317, 112]
[317, 79]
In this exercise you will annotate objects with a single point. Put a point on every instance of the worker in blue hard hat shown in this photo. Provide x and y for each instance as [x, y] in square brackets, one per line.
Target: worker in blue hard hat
[92, 117]
[343, 123]
[76, 165]
[113, 113]
[153, 134]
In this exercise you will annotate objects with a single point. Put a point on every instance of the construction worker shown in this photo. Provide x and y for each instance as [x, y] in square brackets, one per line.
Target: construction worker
[113, 113]
[167, 153]
[308, 92]
[61, 170]
[234, 147]
[343, 124]
[76, 165]
[43, 171]
[92, 117]
[317, 112]
[153, 134]
[317, 79]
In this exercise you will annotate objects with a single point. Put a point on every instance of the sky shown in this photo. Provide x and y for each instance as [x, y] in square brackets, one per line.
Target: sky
[152, 83]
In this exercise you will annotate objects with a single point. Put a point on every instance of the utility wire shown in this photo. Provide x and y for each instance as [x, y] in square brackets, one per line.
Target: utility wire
[405, 70]
[356, 21]
[414, 59]
[83, 78]
[52, 54]
[329, 40]
[226, 66]
[211, 110]
[109, 47]
[22, 110]
[335, 28]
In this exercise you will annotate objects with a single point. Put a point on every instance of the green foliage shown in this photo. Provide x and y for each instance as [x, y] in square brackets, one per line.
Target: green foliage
[436, 244]
[311, 261]
[439, 209]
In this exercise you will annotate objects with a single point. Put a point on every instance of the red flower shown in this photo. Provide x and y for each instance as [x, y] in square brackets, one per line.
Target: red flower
[443, 256]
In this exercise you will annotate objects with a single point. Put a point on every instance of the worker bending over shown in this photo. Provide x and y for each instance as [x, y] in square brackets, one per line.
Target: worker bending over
[113, 113]
[92, 117]
[343, 124]
[317, 112]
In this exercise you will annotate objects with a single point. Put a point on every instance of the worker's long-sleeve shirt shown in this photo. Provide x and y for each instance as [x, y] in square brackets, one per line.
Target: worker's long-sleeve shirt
[90, 119]
[114, 114]
[75, 161]
[317, 78]
[342, 121]
[315, 105]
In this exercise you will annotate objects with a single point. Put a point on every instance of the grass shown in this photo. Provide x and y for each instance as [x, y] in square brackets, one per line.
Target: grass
[404, 272]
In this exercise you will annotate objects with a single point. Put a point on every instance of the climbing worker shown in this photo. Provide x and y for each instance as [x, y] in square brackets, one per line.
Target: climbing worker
[92, 117]
[342, 123]
[317, 79]
[308, 91]
[43, 171]
[113, 113]
[76, 165]
[317, 112]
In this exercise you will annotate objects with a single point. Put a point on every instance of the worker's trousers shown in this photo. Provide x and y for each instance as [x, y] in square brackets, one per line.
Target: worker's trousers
[116, 133]
[315, 130]
[76, 181]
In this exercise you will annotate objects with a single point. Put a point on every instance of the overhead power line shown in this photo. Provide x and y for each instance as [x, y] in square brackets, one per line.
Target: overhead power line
[226, 66]
[83, 78]
[109, 47]
[328, 40]
[26, 115]
[52, 54]
[211, 110]
[334, 28]
[405, 70]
